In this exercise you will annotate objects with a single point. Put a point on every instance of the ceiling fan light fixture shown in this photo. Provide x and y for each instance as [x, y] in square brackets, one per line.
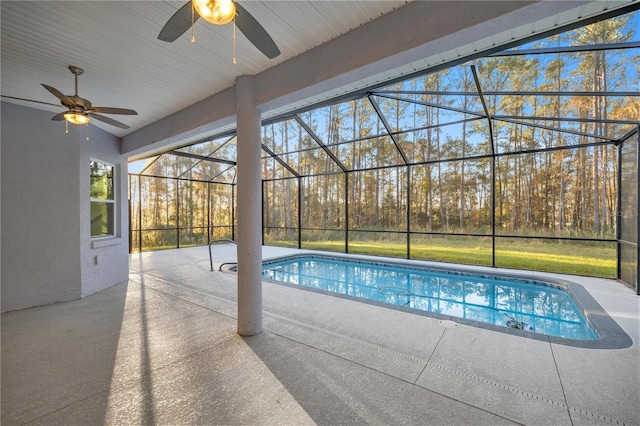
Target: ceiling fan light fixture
[217, 12]
[76, 118]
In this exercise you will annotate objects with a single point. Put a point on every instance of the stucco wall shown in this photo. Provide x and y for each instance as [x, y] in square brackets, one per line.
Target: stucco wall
[46, 251]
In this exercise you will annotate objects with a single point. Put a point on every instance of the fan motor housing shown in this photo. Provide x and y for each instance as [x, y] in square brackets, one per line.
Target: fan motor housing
[80, 102]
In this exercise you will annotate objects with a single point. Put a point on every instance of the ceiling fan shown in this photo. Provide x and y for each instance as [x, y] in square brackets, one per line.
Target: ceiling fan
[80, 109]
[219, 12]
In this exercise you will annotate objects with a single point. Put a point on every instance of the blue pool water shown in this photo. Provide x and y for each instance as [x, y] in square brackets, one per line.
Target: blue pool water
[526, 305]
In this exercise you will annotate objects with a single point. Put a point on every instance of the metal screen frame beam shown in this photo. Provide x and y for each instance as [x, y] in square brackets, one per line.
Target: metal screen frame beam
[201, 158]
[502, 93]
[569, 49]
[280, 161]
[383, 119]
[493, 164]
[321, 144]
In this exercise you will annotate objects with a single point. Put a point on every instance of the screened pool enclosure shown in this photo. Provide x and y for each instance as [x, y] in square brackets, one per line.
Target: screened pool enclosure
[525, 158]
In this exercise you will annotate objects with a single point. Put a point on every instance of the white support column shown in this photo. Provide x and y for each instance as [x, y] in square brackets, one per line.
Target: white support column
[249, 235]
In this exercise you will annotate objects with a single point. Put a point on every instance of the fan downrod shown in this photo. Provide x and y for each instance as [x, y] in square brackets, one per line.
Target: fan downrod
[76, 70]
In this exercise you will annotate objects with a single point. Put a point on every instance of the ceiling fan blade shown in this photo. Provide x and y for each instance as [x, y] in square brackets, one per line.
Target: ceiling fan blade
[31, 100]
[58, 94]
[108, 120]
[59, 117]
[255, 33]
[178, 24]
[109, 110]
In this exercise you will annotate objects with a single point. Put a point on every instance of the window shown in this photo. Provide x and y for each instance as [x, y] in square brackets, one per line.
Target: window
[103, 206]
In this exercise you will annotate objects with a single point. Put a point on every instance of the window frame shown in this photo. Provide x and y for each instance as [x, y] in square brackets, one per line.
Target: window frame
[112, 204]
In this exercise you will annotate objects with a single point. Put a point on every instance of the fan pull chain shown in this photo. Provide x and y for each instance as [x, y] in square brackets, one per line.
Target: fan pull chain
[66, 126]
[193, 36]
[234, 40]
[87, 131]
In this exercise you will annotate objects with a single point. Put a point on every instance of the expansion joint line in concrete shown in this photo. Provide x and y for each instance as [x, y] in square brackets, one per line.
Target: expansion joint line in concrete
[193, 290]
[347, 338]
[527, 394]
[564, 395]
[435, 348]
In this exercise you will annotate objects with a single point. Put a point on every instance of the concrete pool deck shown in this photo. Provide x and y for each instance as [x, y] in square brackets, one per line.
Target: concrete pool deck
[162, 349]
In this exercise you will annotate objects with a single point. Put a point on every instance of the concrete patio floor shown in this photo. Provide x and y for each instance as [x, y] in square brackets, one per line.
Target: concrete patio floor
[163, 349]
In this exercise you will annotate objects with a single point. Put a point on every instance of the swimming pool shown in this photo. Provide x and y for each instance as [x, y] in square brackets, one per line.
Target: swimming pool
[529, 306]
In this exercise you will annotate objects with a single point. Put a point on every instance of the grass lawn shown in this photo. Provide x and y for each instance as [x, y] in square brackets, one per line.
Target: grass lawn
[567, 257]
